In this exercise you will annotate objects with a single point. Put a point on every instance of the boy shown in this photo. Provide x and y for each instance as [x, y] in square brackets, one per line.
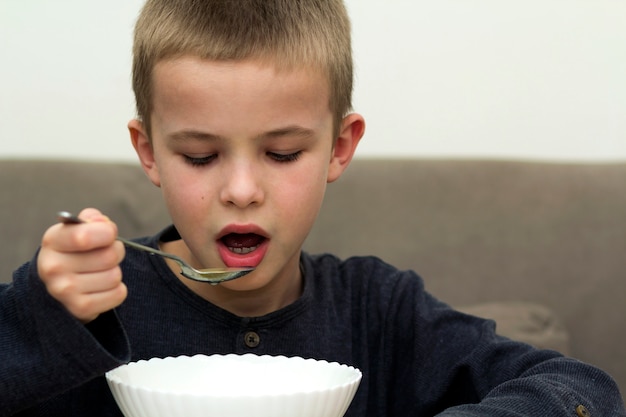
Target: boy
[243, 120]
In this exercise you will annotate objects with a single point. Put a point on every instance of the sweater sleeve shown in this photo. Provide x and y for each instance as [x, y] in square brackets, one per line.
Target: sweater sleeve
[45, 350]
[456, 365]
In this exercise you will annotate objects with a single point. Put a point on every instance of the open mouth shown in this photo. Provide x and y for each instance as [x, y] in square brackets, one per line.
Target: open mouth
[242, 243]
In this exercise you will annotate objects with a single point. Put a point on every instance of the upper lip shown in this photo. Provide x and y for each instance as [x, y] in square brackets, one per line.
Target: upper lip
[242, 229]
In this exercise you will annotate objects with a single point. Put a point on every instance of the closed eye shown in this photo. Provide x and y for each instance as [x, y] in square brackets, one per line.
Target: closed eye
[280, 157]
[199, 161]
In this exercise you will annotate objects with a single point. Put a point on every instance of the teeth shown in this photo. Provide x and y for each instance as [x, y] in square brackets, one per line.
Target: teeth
[243, 251]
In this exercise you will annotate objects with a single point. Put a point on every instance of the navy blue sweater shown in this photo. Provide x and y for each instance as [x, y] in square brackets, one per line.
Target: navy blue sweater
[418, 356]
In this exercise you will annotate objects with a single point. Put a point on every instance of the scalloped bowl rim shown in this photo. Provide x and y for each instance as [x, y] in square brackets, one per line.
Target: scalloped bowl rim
[113, 376]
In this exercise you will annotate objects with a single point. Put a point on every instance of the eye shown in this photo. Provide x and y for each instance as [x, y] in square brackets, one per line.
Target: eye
[199, 161]
[282, 157]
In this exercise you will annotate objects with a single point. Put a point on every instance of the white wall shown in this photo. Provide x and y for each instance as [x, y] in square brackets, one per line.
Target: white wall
[538, 79]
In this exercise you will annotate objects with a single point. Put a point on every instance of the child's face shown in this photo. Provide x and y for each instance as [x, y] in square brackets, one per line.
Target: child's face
[243, 155]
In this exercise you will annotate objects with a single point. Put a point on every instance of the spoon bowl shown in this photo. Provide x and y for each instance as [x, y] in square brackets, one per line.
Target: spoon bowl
[210, 275]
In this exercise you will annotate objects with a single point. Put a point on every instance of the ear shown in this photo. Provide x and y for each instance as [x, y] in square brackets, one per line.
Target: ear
[145, 152]
[351, 132]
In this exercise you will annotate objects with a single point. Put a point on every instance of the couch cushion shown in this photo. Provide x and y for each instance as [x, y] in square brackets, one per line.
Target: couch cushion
[34, 190]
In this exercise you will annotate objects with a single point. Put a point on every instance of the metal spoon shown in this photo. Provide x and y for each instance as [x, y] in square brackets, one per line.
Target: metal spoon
[211, 275]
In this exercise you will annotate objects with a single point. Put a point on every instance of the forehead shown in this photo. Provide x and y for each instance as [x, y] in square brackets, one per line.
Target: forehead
[255, 67]
[197, 90]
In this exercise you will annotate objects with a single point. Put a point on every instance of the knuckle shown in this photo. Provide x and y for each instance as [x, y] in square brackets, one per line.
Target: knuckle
[63, 289]
[47, 267]
[47, 238]
[108, 257]
[121, 292]
[50, 268]
[82, 307]
[121, 251]
[112, 277]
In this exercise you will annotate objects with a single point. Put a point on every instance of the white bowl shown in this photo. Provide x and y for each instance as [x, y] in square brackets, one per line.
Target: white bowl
[233, 386]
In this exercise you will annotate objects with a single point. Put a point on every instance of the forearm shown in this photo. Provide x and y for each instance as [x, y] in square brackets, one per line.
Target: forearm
[466, 369]
[557, 387]
[45, 350]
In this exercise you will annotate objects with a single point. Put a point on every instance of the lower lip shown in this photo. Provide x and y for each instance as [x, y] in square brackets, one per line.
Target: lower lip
[239, 260]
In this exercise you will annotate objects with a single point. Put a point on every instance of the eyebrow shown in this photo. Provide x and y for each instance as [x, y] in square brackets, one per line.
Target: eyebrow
[195, 135]
[295, 131]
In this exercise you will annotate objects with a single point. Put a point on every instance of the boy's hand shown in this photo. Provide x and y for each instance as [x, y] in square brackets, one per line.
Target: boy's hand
[79, 265]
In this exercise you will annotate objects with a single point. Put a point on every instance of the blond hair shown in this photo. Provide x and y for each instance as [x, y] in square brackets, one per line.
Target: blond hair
[288, 33]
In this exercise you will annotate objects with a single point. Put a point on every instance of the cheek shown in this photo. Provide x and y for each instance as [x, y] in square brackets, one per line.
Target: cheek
[182, 192]
[305, 190]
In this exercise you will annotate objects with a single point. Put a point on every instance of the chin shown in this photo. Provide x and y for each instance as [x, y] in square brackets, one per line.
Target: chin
[253, 281]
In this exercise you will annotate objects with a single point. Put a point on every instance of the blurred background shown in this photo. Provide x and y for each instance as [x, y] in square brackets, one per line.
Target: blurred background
[506, 79]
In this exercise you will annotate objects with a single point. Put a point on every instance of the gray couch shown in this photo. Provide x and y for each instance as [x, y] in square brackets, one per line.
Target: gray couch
[539, 247]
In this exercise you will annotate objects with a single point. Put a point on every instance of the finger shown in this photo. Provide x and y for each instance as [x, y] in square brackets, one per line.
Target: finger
[87, 283]
[79, 237]
[89, 306]
[53, 264]
[95, 260]
[92, 215]
[87, 295]
[70, 285]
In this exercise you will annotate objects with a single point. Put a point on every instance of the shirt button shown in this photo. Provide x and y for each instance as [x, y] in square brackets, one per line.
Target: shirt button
[582, 411]
[251, 339]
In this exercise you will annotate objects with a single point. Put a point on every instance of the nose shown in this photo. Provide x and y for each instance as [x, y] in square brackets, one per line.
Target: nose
[242, 186]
